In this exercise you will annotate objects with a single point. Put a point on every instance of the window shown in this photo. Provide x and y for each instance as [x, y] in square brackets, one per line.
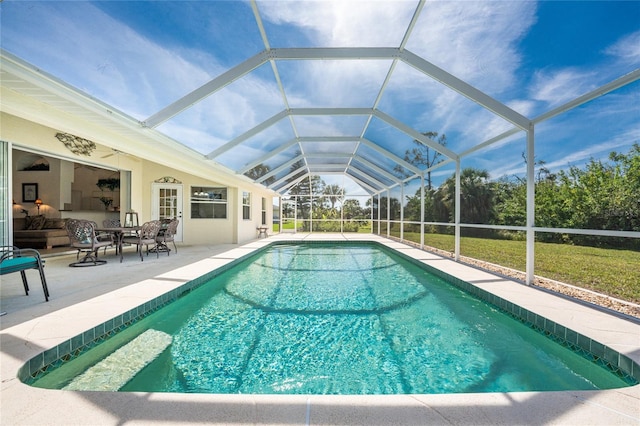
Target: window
[208, 202]
[264, 211]
[246, 205]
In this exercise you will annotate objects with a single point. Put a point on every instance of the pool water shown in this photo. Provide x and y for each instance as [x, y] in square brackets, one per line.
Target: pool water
[331, 319]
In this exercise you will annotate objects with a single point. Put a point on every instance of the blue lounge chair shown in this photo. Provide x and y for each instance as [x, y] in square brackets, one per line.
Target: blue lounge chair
[13, 259]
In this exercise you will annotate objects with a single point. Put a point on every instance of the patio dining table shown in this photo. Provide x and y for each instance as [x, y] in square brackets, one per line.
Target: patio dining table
[119, 232]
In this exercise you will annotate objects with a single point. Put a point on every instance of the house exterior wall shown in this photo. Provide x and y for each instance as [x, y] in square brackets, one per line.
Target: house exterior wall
[195, 231]
[32, 137]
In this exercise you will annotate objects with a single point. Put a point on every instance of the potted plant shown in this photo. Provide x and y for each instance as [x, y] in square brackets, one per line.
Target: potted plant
[107, 201]
[108, 183]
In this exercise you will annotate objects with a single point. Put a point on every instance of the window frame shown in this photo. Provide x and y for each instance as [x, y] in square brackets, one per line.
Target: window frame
[246, 205]
[211, 202]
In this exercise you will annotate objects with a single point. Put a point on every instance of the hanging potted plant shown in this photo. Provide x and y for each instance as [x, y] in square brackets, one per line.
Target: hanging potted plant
[108, 183]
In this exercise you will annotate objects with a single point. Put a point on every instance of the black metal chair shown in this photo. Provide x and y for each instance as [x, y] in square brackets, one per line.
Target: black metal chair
[13, 259]
[82, 234]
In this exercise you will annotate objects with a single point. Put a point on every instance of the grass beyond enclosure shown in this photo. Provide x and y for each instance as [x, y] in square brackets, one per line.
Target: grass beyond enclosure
[608, 271]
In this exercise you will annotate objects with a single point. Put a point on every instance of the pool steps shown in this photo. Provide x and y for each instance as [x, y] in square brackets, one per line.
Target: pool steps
[117, 369]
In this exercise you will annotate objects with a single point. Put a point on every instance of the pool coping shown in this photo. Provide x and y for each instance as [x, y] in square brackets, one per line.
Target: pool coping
[35, 336]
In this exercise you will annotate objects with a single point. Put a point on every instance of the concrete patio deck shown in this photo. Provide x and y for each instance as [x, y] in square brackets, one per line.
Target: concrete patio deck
[82, 298]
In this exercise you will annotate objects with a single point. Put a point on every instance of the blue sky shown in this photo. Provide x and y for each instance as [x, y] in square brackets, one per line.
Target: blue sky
[532, 56]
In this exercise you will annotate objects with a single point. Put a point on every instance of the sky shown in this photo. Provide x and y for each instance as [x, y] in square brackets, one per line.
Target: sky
[140, 56]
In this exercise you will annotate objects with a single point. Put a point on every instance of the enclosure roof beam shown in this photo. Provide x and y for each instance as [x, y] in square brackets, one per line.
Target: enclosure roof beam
[248, 134]
[465, 89]
[489, 142]
[205, 90]
[280, 168]
[609, 87]
[329, 139]
[378, 169]
[390, 155]
[331, 111]
[330, 155]
[268, 155]
[335, 53]
[370, 190]
[287, 177]
[367, 177]
[415, 134]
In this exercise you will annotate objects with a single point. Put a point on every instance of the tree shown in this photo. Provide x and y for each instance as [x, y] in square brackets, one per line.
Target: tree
[510, 202]
[258, 171]
[333, 193]
[412, 208]
[306, 192]
[423, 155]
[393, 204]
[603, 195]
[351, 209]
[476, 196]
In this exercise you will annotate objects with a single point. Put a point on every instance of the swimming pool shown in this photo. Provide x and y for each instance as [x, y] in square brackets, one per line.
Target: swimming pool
[402, 319]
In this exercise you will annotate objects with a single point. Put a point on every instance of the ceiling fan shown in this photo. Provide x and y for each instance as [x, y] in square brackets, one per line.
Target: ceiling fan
[118, 152]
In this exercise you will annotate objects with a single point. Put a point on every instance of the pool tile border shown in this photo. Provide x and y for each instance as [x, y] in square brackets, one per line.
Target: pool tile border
[593, 350]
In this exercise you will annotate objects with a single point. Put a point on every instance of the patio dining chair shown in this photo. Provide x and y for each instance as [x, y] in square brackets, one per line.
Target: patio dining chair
[83, 237]
[146, 236]
[167, 234]
[103, 236]
[111, 223]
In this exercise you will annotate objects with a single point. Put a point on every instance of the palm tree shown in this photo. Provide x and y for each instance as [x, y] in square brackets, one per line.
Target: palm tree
[333, 193]
[476, 196]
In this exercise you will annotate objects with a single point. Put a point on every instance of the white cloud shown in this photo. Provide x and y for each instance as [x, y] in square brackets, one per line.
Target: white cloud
[600, 150]
[475, 41]
[555, 87]
[455, 36]
[627, 48]
[343, 23]
[141, 76]
[106, 58]
[333, 83]
[524, 107]
[199, 139]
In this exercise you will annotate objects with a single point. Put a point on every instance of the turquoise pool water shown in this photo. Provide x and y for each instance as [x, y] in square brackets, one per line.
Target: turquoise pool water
[329, 319]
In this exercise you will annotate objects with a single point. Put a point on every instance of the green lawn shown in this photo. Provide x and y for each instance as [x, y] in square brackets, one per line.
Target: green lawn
[608, 271]
[288, 226]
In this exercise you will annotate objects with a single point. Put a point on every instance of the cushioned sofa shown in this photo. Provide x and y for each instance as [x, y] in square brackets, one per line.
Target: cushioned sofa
[39, 232]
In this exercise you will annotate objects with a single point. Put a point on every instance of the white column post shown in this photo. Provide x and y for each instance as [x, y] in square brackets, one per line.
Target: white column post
[422, 211]
[531, 205]
[310, 206]
[402, 213]
[280, 216]
[388, 213]
[373, 224]
[457, 212]
[379, 208]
